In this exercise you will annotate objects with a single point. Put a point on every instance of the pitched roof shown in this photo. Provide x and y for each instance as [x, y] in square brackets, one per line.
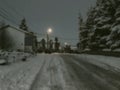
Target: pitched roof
[7, 26]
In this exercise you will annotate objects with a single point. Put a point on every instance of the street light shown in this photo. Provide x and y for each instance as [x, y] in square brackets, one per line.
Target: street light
[49, 31]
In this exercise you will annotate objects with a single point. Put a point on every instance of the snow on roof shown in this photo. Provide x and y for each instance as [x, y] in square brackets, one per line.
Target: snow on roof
[16, 28]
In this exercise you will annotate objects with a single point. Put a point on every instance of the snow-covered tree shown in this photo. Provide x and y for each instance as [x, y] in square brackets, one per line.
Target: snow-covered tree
[99, 21]
[90, 25]
[83, 35]
[102, 27]
[114, 37]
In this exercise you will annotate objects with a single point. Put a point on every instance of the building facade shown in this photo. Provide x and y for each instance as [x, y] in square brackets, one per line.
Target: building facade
[30, 42]
[12, 38]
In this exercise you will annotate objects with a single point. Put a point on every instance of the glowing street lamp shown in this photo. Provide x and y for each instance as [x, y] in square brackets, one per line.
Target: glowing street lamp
[49, 31]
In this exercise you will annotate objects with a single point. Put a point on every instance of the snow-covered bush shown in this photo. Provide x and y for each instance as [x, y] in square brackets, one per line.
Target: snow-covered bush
[13, 56]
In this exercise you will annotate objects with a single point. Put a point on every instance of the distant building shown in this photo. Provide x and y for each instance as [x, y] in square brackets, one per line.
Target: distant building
[30, 42]
[12, 38]
[41, 45]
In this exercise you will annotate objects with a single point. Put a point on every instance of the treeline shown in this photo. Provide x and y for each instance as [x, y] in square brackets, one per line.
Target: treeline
[101, 29]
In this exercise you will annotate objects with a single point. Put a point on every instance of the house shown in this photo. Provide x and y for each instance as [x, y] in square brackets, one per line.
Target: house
[12, 38]
[30, 42]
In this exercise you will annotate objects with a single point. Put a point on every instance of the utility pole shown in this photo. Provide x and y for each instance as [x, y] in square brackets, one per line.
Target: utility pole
[49, 31]
[47, 40]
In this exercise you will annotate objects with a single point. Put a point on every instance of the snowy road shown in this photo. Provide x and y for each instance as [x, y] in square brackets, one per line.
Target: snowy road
[91, 76]
[62, 72]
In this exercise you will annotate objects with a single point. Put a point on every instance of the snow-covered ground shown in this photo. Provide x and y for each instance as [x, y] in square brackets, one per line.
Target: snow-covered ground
[62, 72]
[42, 72]
[19, 75]
[12, 56]
[102, 60]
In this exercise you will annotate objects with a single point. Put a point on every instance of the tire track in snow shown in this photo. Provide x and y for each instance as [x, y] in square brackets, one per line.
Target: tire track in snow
[71, 80]
[37, 76]
[93, 77]
[48, 77]
[54, 74]
[42, 77]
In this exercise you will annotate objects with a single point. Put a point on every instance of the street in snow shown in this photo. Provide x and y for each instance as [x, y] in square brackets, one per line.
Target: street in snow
[60, 45]
[62, 72]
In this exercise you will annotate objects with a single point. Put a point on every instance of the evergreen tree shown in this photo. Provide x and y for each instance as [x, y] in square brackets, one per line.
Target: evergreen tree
[102, 27]
[51, 44]
[57, 44]
[104, 22]
[99, 22]
[43, 44]
[83, 35]
[114, 37]
[23, 25]
[90, 25]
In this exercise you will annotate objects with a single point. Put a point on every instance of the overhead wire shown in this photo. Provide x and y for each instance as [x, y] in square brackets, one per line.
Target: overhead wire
[7, 16]
[10, 15]
[4, 16]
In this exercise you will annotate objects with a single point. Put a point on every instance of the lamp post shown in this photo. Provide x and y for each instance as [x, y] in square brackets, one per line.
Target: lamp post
[49, 31]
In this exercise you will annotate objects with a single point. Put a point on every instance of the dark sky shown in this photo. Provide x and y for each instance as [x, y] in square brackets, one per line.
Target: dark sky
[60, 15]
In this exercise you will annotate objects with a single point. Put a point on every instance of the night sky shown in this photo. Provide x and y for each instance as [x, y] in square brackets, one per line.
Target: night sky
[60, 15]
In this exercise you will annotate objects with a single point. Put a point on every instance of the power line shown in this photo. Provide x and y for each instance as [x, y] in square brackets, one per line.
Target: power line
[12, 8]
[18, 13]
[6, 18]
[5, 14]
[8, 15]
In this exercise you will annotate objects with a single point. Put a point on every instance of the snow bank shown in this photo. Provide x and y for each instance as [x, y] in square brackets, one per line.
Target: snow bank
[102, 61]
[19, 76]
[13, 56]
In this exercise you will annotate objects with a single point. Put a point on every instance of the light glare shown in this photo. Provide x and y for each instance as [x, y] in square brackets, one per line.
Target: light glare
[49, 31]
